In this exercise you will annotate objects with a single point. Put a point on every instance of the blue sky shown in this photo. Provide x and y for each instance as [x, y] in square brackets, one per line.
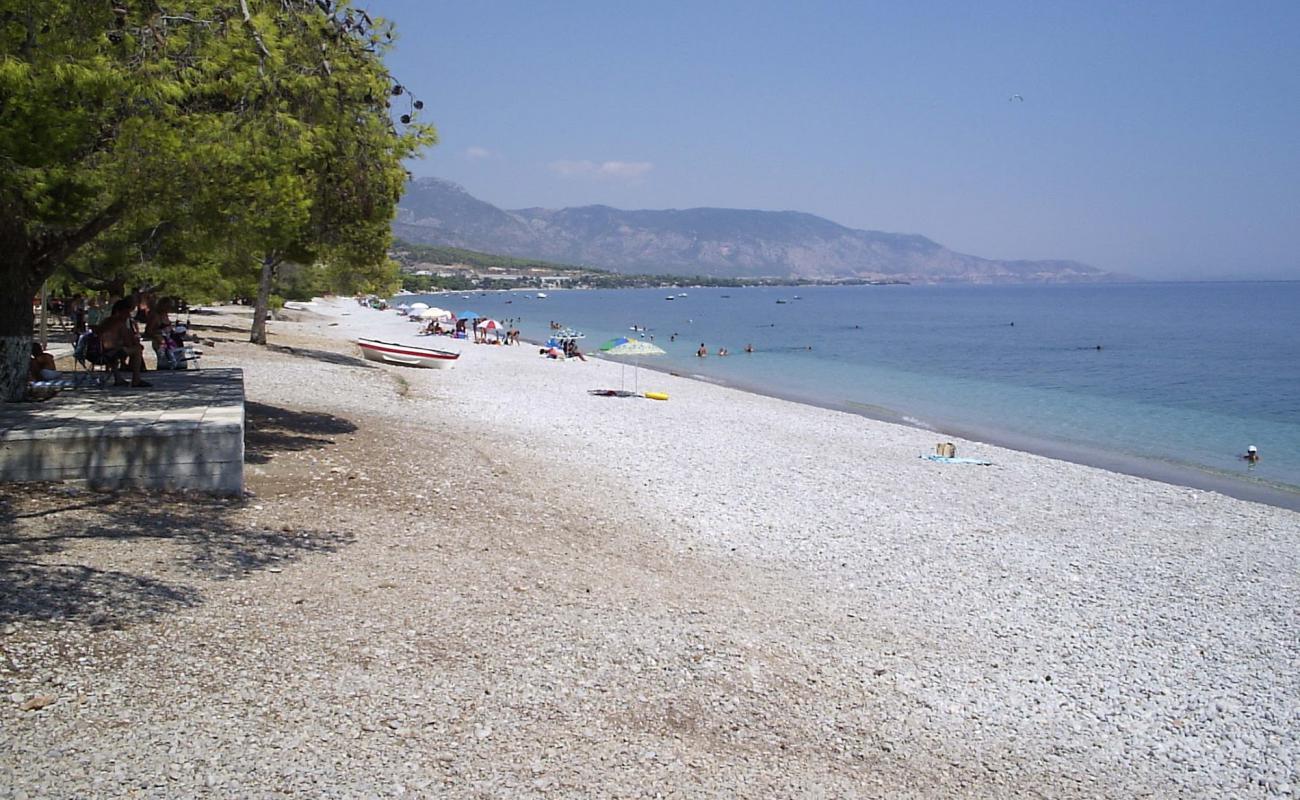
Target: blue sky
[1158, 139]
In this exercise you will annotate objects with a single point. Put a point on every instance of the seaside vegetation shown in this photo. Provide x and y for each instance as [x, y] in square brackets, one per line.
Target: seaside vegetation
[200, 148]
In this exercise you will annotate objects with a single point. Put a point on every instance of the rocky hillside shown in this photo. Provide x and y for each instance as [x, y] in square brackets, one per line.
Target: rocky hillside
[720, 242]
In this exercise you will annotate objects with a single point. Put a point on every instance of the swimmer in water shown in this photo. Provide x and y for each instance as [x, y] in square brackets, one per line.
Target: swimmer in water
[1251, 455]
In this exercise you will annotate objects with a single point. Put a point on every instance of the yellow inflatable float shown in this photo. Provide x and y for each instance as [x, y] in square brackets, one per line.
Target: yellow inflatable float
[656, 395]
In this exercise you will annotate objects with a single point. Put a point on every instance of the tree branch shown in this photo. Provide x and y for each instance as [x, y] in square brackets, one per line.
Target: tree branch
[248, 20]
[89, 281]
[51, 251]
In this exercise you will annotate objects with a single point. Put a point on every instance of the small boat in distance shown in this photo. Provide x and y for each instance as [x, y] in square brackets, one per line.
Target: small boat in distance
[407, 354]
[670, 297]
[780, 302]
[541, 295]
[681, 294]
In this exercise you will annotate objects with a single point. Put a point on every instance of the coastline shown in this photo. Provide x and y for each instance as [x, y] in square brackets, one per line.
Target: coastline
[486, 581]
[1133, 424]
[1184, 475]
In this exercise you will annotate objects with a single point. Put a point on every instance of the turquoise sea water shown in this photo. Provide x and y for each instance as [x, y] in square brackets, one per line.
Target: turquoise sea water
[1187, 375]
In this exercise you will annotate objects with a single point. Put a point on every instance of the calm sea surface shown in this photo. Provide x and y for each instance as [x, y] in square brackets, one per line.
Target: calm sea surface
[1187, 375]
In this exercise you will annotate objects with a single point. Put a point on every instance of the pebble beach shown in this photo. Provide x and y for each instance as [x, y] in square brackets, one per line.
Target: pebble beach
[488, 582]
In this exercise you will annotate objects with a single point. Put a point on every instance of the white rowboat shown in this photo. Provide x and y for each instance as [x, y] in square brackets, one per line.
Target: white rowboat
[407, 354]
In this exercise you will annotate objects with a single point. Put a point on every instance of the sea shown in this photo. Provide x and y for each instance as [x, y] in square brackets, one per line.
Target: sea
[1165, 380]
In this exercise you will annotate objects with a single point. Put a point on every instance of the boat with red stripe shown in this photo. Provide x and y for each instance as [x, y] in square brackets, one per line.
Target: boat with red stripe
[407, 354]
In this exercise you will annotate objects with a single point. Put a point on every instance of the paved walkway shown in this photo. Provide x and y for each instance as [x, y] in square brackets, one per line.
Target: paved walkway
[187, 432]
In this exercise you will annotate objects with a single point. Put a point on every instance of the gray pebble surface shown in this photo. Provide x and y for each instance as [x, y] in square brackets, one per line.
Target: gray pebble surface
[484, 582]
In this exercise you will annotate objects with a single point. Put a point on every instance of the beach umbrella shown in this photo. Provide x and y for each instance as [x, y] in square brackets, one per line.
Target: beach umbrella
[418, 306]
[469, 315]
[434, 313]
[491, 325]
[636, 349]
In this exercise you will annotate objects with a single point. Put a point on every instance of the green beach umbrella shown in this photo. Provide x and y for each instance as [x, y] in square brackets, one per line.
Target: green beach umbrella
[636, 348]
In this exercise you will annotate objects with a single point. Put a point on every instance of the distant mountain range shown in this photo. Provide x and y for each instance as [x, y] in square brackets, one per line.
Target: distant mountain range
[720, 242]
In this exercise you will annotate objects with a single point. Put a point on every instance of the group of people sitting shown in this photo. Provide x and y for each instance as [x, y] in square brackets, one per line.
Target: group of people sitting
[510, 336]
[81, 311]
[568, 349]
[117, 341]
[458, 330]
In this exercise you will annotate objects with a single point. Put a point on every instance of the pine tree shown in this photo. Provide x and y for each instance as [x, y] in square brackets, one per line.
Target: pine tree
[262, 124]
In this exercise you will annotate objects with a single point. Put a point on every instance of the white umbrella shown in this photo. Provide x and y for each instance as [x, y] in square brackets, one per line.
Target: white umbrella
[418, 306]
[434, 313]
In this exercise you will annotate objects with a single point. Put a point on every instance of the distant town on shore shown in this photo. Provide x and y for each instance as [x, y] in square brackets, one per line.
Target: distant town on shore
[430, 268]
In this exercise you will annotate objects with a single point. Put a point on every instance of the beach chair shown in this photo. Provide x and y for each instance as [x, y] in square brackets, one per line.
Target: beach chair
[88, 354]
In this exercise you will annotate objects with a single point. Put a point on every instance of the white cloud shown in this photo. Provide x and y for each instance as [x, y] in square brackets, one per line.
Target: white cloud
[602, 170]
[475, 153]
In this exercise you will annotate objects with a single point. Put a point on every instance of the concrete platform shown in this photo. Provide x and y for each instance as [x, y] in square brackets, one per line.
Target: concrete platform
[187, 432]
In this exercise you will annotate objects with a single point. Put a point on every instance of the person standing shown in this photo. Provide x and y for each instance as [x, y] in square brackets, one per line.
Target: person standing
[77, 312]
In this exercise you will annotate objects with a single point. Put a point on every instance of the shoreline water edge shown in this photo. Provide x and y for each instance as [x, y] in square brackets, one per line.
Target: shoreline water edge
[745, 590]
[1183, 475]
[1187, 473]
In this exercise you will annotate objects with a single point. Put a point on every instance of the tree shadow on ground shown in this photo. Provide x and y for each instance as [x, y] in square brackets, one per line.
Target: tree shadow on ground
[270, 429]
[206, 328]
[111, 560]
[35, 590]
[322, 355]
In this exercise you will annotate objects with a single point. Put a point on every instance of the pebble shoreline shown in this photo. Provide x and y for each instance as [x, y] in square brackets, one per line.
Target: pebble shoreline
[487, 582]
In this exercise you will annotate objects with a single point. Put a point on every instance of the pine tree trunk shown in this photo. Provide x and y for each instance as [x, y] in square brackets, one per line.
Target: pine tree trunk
[263, 304]
[16, 320]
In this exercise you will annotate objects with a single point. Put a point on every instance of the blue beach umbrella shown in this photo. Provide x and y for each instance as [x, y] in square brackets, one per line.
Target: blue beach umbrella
[469, 315]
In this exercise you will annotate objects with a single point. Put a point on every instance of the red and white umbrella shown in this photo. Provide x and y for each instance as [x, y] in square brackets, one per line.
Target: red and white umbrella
[489, 325]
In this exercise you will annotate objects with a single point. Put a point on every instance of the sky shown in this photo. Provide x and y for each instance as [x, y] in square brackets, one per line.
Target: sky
[1157, 139]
